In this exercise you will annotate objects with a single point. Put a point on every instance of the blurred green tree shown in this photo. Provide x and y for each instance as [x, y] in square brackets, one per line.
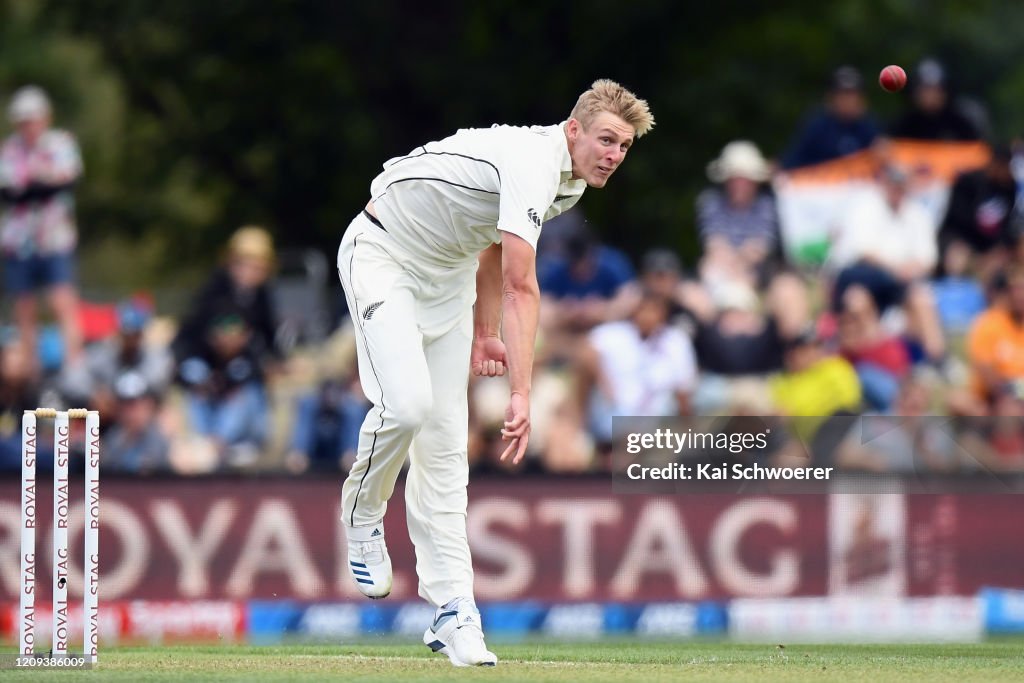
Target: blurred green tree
[199, 116]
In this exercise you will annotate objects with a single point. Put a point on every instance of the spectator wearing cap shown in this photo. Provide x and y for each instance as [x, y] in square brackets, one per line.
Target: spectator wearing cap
[737, 218]
[980, 214]
[661, 273]
[39, 167]
[886, 243]
[136, 443]
[224, 389]
[841, 127]
[587, 286]
[242, 284]
[92, 382]
[932, 114]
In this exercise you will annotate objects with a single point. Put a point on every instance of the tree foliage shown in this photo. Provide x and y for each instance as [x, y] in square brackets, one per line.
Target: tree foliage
[196, 117]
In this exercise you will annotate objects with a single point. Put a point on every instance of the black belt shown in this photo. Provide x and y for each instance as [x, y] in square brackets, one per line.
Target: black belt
[373, 219]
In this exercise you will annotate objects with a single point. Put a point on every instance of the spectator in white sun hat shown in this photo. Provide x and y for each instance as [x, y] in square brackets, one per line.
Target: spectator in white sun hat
[737, 217]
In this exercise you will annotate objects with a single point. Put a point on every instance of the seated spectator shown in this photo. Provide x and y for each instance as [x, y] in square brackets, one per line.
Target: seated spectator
[933, 115]
[243, 283]
[842, 127]
[326, 429]
[584, 288]
[1005, 431]
[225, 394]
[814, 385]
[738, 345]
[18, 393]
[661, 273]
[904, 440]
[981, 212]
[92, 382]
[559, 441]
[135, 444]
[886, 244]
[959, 298]
[737, 219]
[995, 343]
[880, 359]
[636, 367]
[558, 232]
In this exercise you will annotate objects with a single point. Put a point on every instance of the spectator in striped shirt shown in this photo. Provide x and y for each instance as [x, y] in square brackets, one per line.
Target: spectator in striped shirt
[737, 218]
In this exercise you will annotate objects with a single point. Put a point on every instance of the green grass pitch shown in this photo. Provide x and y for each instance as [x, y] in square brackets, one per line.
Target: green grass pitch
[547, 661]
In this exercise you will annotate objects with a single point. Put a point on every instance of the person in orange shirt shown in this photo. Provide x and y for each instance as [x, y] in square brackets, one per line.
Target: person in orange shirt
[995, 343]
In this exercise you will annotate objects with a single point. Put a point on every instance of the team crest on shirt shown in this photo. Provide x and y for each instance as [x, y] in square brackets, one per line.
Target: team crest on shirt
[534, 218]
[371, 309]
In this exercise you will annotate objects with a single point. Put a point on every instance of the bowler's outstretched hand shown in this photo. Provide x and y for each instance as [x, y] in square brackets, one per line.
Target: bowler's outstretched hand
[517, 427]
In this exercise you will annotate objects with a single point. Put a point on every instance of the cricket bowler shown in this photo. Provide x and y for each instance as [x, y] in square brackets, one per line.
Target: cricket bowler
[439, 272]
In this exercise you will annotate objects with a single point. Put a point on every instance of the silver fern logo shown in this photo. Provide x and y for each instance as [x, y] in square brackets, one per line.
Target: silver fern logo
[371, 309]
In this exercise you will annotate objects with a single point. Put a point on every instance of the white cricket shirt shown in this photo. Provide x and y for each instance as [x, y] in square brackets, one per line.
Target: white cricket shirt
[446, 201]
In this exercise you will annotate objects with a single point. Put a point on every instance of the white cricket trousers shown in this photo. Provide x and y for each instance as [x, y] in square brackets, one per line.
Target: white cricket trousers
[414, 330]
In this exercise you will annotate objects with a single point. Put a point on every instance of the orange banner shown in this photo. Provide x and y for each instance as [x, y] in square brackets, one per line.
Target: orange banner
[941, 161]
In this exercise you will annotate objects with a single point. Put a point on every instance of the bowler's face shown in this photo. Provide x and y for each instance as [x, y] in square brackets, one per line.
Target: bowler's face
[599, 149]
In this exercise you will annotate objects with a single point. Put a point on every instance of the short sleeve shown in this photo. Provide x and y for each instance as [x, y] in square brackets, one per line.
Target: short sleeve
[619, 266]
[529, 183]
[7, 176]
[979, 341]
[685, 367]
[65, 160]
[708, 210]
[604, 337]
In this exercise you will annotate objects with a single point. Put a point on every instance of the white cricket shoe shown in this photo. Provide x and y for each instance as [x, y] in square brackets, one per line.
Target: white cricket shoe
[457, 631]
[368, 560]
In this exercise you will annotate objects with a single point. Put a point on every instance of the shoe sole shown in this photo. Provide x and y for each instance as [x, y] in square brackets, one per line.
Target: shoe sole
[355, 579]
[375, 597]
[435, 645]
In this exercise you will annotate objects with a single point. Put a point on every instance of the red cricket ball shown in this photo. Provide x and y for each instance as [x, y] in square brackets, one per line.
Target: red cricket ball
[892, 78]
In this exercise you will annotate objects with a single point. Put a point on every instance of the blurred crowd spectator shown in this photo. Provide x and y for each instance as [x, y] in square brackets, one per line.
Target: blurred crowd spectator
[737, 218]
[842, 126]
[39, 167]
[933, 113]
[226, 347]
[903, 351]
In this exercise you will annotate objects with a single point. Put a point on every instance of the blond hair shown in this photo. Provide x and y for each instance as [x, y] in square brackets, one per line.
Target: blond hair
[607, 95]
